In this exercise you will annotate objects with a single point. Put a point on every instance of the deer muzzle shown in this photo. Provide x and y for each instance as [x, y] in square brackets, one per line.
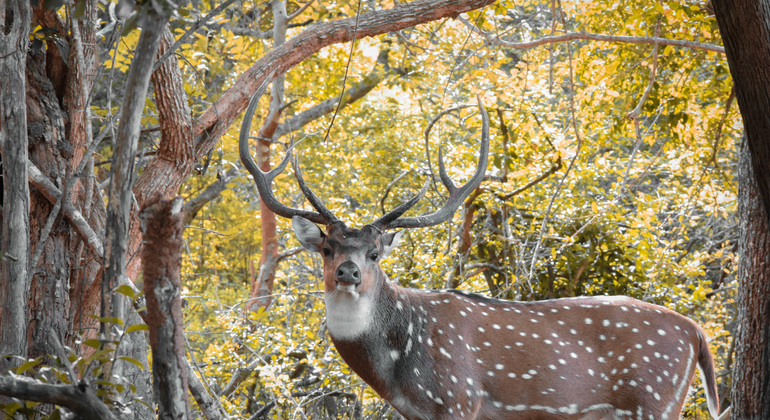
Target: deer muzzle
[348, 274]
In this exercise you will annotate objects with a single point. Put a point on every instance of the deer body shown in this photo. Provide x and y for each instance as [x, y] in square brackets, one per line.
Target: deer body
[519, 368]
[448, 354]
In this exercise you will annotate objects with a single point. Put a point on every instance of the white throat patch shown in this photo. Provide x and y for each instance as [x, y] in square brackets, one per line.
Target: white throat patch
[348, 314]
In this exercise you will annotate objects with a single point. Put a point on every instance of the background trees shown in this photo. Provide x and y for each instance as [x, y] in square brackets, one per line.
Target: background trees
[615, 137]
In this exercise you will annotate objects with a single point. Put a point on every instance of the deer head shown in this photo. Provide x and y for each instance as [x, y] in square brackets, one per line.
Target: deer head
[449, 354]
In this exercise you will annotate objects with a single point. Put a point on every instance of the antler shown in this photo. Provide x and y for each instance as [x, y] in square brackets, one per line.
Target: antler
[456, 195]
[264, 180]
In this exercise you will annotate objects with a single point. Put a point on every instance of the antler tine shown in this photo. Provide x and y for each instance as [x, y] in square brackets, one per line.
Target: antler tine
[456, 194]
[264, 181]
[442, 172]
[394, 214]
[309, 194]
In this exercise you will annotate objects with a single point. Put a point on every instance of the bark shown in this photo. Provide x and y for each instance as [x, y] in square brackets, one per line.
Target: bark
[48, 301]
[80, 78]
[745, 29]
[751, 375]
[15, 245]
[174, 158]
[163, 224]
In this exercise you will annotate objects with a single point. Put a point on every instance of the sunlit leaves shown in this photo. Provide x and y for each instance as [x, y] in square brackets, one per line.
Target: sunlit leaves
[646, 210]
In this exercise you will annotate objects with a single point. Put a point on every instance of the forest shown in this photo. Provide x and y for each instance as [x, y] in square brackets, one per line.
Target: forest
[629, 154]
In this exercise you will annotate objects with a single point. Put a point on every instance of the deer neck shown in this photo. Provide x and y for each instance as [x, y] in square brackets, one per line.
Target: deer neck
[385, 349]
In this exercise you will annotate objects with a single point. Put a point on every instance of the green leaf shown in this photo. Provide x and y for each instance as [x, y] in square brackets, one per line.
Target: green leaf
[108, 320]
[126, 290]
[93, 343]
[28, 365]
[132, 360]
[98, 354]
[137, 327]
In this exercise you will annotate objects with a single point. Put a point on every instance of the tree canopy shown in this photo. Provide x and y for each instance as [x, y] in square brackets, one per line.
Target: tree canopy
[614, 157]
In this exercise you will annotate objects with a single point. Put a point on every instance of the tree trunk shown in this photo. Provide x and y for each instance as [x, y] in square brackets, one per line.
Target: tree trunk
[14, 252]
[751, 375]
[745, 29]
[162, 225]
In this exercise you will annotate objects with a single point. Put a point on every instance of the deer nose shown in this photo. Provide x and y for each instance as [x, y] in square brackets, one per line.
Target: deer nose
[348, 273]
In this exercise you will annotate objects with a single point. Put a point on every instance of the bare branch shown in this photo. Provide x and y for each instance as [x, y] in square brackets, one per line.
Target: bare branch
[194, 28]
[43, 184]
[300, 10]
[622, 39]
[380, 71]
[79, 398]
[242, 373]
[718, 135]
[195, 204]
[554, 168]
[634, 114]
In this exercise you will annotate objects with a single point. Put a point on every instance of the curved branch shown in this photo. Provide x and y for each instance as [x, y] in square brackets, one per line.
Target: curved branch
[218, 118]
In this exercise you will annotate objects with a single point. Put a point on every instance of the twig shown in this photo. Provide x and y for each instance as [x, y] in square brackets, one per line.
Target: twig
[347, 69]
[622, 39]
[194, 28]
[553, 169]
[718, 135]
[634, 114]
[299, 11]
[566, 173]
[389, 187]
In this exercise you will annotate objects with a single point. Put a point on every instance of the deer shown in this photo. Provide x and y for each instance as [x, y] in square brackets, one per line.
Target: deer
[450, 354]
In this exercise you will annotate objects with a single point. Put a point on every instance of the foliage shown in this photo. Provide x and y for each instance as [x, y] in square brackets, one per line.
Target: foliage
[640, 205]
[627, 152]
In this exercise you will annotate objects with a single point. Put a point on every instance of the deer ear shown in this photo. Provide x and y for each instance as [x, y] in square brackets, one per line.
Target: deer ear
[308, 234]
[390, 241]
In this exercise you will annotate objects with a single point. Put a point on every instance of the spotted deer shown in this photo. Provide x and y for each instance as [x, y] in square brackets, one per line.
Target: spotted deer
[448, 354]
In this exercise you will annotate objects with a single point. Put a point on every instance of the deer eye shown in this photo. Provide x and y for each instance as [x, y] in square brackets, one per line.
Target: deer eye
[326, 252]
[374, 255]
